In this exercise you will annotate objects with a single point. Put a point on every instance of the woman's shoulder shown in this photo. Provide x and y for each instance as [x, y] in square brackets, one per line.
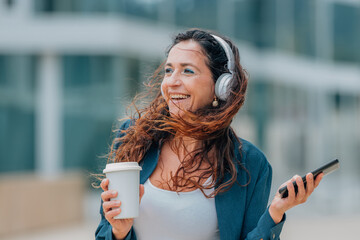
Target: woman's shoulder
[250, 149]
[251, 156]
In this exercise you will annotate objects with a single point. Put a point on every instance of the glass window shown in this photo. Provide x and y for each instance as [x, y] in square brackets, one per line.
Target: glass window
[88, 109]
[255, 21]
[138, 8]
[10, 3]
[304, 21]
[344, 102]
[17, 113]
[96, 87]
[141, 8]
[244, 19]
[196, 13]
[44, 6]
[3, 70]
[346, 33]
[259, 107]
[134, 78]
[16, 139]
[86, 139]
[86, 70]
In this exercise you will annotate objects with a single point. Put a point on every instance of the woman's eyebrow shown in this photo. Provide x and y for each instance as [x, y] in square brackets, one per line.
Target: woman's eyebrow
[183, 65]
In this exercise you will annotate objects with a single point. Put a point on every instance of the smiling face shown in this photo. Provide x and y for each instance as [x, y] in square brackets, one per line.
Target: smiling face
[188, 82]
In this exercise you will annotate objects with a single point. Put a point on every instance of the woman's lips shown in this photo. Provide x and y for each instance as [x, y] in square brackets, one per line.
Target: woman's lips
[179, 96]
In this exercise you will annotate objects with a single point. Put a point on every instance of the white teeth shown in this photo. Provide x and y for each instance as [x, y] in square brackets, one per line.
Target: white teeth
[179, 96]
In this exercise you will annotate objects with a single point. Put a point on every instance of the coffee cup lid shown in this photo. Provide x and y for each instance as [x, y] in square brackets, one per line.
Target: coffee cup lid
[121, 166]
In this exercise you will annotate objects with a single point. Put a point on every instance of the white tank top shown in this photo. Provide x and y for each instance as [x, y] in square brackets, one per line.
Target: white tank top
[167, 215]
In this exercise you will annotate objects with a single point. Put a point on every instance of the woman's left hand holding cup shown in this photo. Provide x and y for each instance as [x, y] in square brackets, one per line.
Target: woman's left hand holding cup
[111, 208]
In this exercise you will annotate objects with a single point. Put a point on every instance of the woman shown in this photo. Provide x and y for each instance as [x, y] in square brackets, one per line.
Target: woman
[199, 180]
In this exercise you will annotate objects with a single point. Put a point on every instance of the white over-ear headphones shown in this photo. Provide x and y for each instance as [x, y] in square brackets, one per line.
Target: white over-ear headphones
[223, 83]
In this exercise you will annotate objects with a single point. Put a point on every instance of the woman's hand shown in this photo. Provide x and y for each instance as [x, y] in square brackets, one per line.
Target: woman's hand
[280, 205]
[111, 208]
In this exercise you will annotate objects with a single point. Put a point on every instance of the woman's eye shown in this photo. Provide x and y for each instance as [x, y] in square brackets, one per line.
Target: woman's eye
[168, 70]
[189, 71]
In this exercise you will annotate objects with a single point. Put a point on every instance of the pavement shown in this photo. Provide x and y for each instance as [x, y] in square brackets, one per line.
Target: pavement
[295, 228]
[80, 231]
[320, 227]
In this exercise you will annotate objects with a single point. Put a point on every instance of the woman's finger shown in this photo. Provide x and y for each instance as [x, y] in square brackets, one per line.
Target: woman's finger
[281, 186]
[300, 189]
[291, 190]
[104, 184]
[318, 179]
[107, 195]
[110, 205]
[112, 213]
[309, 184]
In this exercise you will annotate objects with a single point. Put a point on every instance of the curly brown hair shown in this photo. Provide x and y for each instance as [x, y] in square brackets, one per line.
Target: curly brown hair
[209, 125]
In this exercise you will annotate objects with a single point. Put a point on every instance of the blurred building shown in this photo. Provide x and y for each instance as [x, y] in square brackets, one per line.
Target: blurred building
[68, 68]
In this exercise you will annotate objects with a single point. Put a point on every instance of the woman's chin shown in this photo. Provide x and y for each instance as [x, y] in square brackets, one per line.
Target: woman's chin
[177, 110]
[177, 113]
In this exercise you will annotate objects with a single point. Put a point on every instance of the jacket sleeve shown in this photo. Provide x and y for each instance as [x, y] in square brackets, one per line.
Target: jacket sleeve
[104, 230]
[266, 228]
[257, 216]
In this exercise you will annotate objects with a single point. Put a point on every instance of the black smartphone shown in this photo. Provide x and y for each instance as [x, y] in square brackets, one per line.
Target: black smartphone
[326, 169]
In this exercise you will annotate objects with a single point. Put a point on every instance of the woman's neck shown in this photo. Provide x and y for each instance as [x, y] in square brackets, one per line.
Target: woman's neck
[182, 146]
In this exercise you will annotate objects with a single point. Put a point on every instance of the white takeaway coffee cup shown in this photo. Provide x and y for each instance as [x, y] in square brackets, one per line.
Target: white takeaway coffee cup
[124, 177]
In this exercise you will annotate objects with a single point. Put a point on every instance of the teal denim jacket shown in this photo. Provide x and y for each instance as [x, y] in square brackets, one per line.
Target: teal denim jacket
[242, 211]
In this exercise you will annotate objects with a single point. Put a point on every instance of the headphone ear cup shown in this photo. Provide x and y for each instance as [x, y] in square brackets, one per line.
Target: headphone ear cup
[223, 85]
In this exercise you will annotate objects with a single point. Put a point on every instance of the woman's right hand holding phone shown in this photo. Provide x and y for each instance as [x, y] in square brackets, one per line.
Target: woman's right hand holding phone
[111, 208]
[280, 205]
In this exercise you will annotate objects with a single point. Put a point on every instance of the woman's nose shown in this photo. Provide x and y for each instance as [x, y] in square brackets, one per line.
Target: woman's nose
[174, 79]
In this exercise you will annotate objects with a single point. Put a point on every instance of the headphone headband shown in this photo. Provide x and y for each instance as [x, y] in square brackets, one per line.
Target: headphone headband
[228, 52]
